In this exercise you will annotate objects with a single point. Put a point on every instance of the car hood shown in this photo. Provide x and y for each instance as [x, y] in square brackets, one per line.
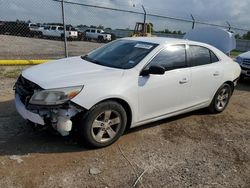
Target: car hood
[70, 72]
[245, 55]
[217, 37]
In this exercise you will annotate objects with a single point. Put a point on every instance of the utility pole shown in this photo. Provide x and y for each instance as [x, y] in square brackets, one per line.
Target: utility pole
[64, 31]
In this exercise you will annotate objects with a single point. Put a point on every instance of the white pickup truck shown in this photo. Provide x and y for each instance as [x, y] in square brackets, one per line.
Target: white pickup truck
[97, 34]
[53, 31]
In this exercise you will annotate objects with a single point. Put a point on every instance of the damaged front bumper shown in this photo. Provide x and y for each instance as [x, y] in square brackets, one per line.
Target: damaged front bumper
[59, 117]
[26, 114]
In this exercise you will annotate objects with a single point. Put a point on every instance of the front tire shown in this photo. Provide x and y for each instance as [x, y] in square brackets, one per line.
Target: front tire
[221, 99]
[100, 39]
[102, 125]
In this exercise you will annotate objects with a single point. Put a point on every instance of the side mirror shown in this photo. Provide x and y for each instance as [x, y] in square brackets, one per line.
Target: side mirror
[155, 69]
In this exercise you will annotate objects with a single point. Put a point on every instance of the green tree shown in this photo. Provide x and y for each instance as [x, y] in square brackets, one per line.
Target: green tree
[237, 36]
[100, 27]
[247, 36]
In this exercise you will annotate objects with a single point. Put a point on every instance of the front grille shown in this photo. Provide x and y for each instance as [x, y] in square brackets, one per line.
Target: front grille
[245, 68]
[246, 61]
[25, 89]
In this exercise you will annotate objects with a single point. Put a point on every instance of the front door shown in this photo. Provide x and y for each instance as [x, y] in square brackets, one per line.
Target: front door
[160, 95]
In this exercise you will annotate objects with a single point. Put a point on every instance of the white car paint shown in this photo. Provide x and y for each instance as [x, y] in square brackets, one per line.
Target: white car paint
[150, 98]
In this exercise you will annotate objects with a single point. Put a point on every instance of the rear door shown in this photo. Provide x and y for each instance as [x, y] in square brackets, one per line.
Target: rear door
[206, 73]
[93, 33]
[53, 31]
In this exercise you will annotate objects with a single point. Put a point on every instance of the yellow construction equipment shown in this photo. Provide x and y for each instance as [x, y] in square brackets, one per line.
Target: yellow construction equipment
[143, 30]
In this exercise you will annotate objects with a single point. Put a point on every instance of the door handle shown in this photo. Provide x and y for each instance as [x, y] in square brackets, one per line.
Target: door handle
[183, 81]
[217, 73]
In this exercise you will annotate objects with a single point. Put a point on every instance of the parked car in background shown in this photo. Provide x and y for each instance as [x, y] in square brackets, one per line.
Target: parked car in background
[126, 83]
[244, 62]
[19, 29]
[36, 28]
[55, 31]
[97, 34]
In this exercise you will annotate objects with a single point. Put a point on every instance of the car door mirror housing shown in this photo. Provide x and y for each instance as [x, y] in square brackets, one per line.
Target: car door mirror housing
[155, 69]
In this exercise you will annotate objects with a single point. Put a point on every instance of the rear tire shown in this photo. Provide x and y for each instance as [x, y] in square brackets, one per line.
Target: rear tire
[102, 125]
[221, 99]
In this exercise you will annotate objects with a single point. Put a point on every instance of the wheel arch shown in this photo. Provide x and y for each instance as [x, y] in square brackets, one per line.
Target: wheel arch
[126, 107]
[231, 84]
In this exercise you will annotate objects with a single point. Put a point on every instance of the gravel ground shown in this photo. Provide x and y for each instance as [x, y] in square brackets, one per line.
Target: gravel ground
[13, 47]
[191, 150]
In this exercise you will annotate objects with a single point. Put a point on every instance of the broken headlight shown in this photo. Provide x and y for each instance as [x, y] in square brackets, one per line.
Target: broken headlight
[55, 96]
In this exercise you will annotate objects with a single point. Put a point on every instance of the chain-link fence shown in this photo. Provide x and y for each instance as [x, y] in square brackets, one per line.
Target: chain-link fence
[52, 29]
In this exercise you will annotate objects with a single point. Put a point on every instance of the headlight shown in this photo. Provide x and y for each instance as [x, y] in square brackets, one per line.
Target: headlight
[239, 59]
[55, 96]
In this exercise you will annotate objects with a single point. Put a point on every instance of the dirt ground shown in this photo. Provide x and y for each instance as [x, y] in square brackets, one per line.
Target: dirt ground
[14, 47]
[191, 150]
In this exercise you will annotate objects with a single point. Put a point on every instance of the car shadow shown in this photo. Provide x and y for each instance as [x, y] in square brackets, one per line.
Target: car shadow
[168, 120]
[243, 85]
[17, 137]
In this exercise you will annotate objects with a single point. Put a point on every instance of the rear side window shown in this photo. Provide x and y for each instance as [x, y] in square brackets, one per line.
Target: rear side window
[198, 55]
[172, 57]
[87, 30]
[53, 28]
[214, 58]
[98, 31]
[92, 31]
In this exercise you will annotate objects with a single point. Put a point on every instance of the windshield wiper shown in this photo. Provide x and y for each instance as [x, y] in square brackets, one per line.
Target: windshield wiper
[87, 58]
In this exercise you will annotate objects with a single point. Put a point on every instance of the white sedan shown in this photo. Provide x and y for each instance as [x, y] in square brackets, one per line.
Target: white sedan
[124, 84]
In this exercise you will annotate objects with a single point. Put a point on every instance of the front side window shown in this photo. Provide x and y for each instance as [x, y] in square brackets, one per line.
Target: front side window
[92, 31]
[172, 57]
[123, 54]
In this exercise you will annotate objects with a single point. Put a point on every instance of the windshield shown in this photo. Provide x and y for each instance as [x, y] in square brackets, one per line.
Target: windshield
[123, 54]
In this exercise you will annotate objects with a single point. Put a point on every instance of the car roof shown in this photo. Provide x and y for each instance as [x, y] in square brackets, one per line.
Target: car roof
[156, 40]
[166, 40]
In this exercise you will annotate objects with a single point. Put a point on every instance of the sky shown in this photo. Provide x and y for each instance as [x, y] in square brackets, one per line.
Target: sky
[213, 11]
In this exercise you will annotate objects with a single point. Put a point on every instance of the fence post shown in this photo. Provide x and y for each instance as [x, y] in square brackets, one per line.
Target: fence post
[229, 26]
[145, 17]
[193, 21]
[64, 31]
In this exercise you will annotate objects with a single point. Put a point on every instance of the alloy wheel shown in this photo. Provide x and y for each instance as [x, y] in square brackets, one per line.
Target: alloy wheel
[106, 126]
